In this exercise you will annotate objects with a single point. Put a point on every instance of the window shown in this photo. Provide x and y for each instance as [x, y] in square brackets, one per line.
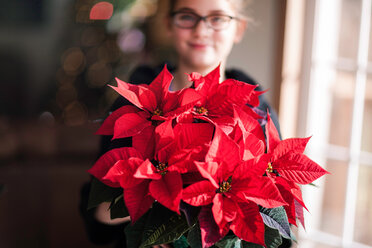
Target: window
[336, 109]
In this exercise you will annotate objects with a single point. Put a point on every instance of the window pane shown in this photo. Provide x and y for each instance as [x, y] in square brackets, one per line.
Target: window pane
[334, 198]
[342, 108]
[363, 221]
[311, 244]
[370, 45]
[367, 118]
[349, 28]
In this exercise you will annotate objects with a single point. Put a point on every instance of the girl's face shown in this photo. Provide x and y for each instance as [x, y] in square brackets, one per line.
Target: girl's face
[202, 47]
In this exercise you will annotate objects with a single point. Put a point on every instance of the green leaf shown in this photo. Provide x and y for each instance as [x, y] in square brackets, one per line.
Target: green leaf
[194, 236]
[163, 226]
[293, 237]
[191, 213]
[118, 208]
[181, 242]
[246, 244]
[277, 218]
[134, 232]
[100, 192]
[272, 239]
[229, 242]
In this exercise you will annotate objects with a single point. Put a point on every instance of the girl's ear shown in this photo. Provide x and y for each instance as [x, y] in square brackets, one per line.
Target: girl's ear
[240, 30]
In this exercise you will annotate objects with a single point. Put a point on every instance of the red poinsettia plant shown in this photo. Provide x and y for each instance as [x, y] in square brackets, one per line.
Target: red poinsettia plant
[202, 171]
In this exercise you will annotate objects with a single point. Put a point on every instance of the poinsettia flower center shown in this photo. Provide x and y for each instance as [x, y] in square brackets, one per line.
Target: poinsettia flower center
[157, 112]
[161, 168]
[201, 110]
[225, 186]
[269, 168]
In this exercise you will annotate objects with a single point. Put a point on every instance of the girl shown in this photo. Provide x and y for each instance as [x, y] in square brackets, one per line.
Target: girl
[203, 33]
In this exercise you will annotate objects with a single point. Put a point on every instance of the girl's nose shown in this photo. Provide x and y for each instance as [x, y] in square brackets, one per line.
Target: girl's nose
[202, 28]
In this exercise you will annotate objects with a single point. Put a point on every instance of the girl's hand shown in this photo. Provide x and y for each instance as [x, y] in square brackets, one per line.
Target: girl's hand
[162, 246]
[102, 214]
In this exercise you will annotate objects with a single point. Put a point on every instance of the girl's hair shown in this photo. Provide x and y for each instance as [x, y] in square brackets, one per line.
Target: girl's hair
[240, 6]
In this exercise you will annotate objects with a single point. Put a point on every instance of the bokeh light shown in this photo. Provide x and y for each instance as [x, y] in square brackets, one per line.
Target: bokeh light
[99, 74]
[73, 61]
[131, 41]
[143, 8]
[47, 119]
[75, 114]
[82, 13]
[101, 11]
[98, 55]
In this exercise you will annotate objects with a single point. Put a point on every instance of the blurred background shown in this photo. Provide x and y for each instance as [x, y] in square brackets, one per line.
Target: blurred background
[314, 56]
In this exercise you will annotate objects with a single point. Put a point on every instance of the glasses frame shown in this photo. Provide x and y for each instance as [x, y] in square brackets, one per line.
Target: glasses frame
[202, 18]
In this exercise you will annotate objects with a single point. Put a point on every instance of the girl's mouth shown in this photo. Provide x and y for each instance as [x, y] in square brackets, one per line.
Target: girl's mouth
[198, 45]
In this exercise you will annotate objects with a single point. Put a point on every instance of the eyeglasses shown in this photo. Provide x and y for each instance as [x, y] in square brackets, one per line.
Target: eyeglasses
[189, 20]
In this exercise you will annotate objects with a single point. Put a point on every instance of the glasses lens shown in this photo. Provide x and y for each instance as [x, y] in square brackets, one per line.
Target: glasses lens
[185, 20]
[218, 22]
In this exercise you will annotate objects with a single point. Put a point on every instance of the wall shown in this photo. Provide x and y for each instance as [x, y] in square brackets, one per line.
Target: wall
[259, 51]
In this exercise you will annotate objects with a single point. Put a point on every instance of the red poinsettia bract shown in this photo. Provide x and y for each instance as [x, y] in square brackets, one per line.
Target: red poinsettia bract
[287, 166]
[233, 190]
[204, 146]
[153, 104]
[219, 99]
[160, 179]
[248, 134]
